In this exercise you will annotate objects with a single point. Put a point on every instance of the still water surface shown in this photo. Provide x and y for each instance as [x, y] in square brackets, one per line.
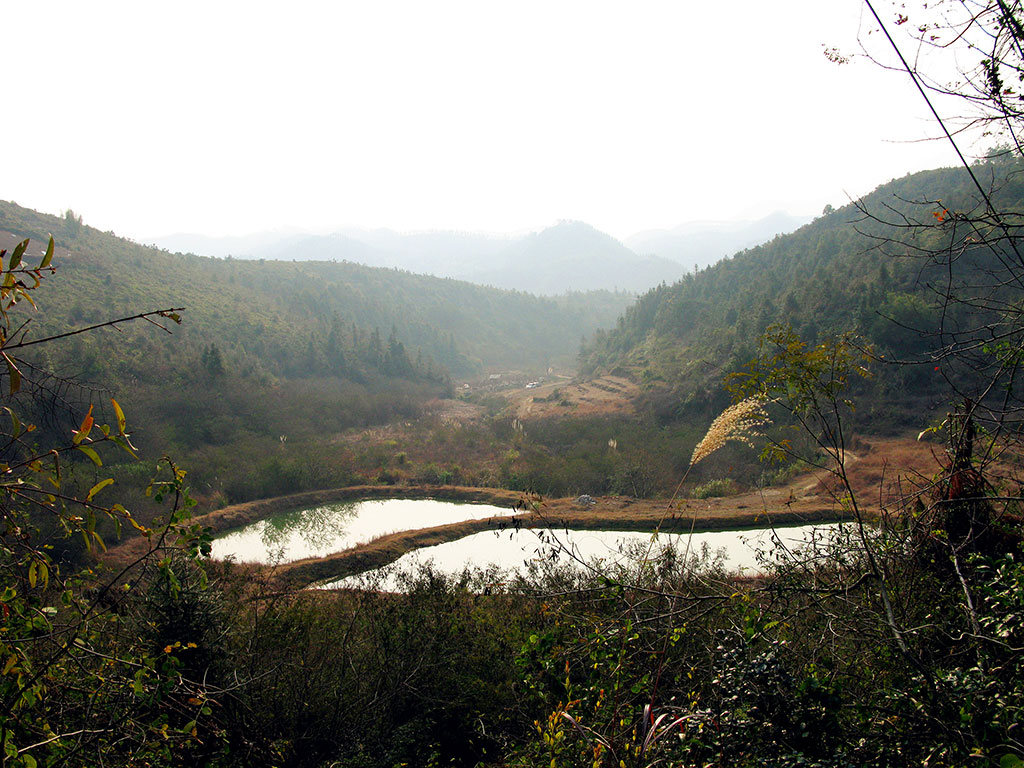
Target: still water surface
[512, 550]
[333, 528]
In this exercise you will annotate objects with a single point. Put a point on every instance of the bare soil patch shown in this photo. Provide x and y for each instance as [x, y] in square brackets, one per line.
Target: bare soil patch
[597, 397]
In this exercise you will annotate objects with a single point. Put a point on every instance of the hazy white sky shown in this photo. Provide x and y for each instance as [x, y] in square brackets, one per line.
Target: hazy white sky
[225, 118]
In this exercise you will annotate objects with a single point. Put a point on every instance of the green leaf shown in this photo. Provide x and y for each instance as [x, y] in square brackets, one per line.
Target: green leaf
[15, 421]
[95, 537]
[98, 487]
[13, 372]
[19, 251]
[48, 256]
[91, 454]
[123, 443]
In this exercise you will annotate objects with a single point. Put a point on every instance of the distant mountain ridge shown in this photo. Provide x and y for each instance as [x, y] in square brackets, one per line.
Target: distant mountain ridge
[703, 243]
[569, 256]
[279, 315]
[573, 256]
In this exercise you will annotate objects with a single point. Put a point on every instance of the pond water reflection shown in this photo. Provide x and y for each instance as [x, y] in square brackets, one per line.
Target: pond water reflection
[512, 551]
[335, 527]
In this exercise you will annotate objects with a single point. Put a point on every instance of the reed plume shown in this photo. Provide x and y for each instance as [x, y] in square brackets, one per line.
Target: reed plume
[740, 422]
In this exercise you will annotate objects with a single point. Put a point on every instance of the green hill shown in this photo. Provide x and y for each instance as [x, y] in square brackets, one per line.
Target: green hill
[272, 357]
[859, 270]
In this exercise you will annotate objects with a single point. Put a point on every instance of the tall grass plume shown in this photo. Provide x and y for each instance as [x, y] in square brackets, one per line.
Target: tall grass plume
[740, 422]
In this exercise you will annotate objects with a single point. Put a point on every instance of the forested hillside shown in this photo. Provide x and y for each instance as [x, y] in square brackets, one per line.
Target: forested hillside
[143, 392]
[851, 271]
[271, 357]
[271, 312]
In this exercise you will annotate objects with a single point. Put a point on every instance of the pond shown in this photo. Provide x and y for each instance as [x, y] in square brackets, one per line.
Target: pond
[512, 550]
[333, 528]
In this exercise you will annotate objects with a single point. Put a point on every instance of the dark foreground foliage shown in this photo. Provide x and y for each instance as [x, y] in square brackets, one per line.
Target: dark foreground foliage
[665, 661]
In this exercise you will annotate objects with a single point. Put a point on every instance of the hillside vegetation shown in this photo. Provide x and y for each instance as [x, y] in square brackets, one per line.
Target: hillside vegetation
[847, 272]
[893, 640]
[273, 358]
[882, 646]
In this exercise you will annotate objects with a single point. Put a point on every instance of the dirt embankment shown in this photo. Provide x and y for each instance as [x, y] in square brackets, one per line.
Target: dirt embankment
[607, 513]
[808, 498]
[238, 515]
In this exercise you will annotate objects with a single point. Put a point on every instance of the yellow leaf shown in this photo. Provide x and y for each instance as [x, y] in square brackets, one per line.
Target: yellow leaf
[91, 454]
[98, 487]
[121, 422]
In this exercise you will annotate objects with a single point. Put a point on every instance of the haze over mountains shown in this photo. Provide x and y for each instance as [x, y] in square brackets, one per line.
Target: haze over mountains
[569, 256]
[702, 243]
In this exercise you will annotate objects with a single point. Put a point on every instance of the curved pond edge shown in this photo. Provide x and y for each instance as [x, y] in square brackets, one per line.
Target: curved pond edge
[239, 515]
[387, 549]
[609, 513]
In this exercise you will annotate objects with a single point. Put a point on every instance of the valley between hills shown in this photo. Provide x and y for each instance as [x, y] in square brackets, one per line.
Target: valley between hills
[863, 369]
[745, 491]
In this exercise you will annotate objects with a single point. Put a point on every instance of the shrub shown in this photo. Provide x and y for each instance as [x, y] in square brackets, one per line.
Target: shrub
[715, 488]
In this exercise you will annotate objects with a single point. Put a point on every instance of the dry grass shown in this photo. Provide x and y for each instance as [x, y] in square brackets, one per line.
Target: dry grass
[740, 422]
[882, 472]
